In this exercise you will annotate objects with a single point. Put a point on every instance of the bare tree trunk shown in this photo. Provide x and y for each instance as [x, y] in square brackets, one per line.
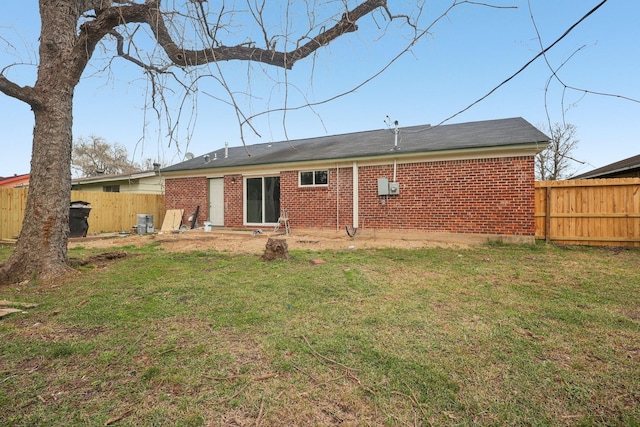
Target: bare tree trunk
[45, 228]
[41, 250]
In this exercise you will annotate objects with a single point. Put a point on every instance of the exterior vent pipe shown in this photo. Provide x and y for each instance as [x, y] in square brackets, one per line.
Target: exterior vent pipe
[395, 147]
[226, 150]
[396, 132]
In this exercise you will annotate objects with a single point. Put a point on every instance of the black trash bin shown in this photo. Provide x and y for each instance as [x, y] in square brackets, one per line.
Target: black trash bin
[78, 214]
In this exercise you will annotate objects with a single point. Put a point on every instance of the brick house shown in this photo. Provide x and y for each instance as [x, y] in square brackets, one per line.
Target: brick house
[461, 178]
[627, 168]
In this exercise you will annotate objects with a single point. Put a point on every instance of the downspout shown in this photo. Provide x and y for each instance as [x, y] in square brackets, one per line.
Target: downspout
[395, 167]
[355, 194]
[337, 197]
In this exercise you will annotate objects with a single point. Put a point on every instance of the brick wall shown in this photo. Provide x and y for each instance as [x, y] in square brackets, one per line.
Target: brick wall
[187, 194]
[316, 207]
[482, 196]
[233, 214]
[485, 196]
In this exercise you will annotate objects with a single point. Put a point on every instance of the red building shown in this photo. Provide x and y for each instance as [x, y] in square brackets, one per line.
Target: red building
[15, 181]
[461, 178]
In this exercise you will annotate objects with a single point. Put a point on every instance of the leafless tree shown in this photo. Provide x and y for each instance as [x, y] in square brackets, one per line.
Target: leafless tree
[153, 35]
[554, 162]
[93, 155]
[174, 43]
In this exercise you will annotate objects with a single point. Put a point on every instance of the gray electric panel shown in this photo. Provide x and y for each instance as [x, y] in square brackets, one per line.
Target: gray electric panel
[383, 186]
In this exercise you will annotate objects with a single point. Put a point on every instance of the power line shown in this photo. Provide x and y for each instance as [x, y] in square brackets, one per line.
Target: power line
[541, 53]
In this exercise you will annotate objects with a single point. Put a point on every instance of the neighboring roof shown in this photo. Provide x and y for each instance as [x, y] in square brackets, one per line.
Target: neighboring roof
[622, 166]
[113, 177]
[413, 139]
[15, 178]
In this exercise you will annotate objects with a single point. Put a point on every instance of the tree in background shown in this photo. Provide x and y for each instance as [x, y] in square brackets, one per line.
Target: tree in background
[94, 156]
[554, 162]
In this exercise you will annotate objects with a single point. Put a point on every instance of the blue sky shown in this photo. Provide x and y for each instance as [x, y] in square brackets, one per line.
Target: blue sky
[463, 58]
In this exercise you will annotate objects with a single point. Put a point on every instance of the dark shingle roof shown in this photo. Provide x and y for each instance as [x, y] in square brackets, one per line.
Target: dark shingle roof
[413, 139]
[614, 168]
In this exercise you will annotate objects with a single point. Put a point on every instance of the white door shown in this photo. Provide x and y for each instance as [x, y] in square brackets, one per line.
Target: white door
[216, 201]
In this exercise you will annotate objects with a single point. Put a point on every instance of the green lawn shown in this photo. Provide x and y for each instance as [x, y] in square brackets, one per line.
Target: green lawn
[496, 335]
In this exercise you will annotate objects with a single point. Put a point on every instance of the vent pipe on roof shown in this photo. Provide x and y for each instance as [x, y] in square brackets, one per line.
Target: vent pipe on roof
[226, 150]
[396, 132]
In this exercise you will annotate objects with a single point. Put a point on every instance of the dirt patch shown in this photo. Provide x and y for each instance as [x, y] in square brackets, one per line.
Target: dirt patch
[98, 260]
[249, 242]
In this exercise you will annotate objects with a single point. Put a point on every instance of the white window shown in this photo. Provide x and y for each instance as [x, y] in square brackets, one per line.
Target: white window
[314, 178]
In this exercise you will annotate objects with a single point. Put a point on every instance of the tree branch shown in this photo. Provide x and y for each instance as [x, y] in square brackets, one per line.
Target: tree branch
[121, 53]
[346, 24]
[420, 34]
[151, 14]
[23, 93]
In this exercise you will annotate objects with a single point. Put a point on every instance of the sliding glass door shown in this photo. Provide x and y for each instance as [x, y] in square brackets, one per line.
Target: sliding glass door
[262, 200]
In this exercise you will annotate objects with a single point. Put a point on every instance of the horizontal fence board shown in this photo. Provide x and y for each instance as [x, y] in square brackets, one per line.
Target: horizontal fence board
[591, 212]
[601, 239]
[611, 182]
[110, 212]
[583, 215]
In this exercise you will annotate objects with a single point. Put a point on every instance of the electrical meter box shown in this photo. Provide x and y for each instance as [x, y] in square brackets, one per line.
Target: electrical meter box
[386, 188]
[394, 188]
[383, 186]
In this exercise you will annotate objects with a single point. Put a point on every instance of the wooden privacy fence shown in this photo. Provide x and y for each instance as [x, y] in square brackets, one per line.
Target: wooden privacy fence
[584, 212]
[110, 212]
[603, 212]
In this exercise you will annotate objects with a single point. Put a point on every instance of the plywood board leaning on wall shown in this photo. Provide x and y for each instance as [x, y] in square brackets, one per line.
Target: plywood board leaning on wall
[172, 220]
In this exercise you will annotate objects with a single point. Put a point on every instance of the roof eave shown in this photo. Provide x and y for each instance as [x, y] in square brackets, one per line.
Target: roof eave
[112, 178]
[516, 150]
[607, 173]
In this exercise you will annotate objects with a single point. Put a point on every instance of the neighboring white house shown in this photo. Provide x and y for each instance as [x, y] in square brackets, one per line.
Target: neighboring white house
[148, 182]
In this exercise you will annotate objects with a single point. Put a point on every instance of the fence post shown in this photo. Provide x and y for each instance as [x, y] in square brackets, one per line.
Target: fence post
[547, 215]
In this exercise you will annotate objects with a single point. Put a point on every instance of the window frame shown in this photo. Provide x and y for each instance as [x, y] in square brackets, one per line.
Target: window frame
[113, 188]
[313, 176]
[263, 209]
